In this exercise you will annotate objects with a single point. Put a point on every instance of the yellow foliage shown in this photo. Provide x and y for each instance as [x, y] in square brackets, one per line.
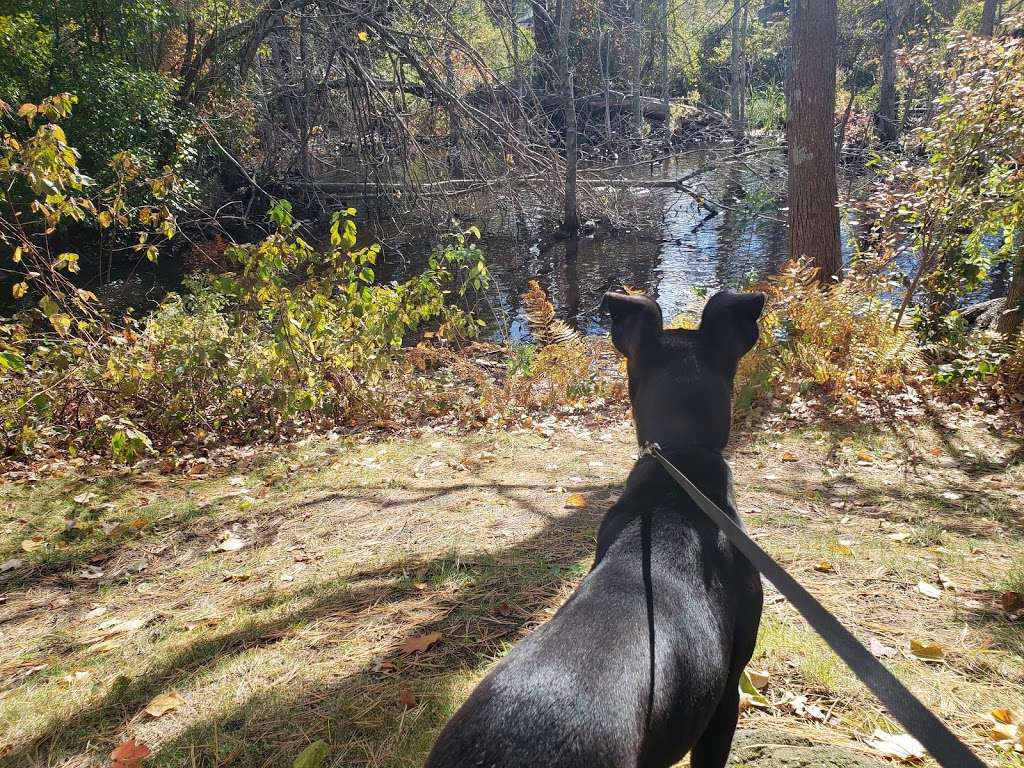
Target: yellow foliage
[840, 338]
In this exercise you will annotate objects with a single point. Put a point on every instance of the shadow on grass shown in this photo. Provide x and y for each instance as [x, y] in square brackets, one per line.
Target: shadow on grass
[501, 593]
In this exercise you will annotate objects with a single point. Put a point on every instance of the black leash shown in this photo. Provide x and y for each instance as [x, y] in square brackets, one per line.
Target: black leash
[946, 748]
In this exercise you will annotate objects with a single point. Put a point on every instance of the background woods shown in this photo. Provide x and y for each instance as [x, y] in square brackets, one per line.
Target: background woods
[307, 407]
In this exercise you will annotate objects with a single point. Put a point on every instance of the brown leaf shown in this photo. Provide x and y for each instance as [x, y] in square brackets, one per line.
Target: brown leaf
[1012, 601]
[84, 497]
[880, 649]
[576, 501]
[789, 456]
[407, 698]
[10, 565]
[825, 567]
[927, 650]
[164, 703]
[31, 545]
[928, 590]
[128, 754]
[419, 643]
[901, 746]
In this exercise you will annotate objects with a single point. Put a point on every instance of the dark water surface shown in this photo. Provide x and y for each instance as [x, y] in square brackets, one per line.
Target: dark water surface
[668, 246]
[674, 251]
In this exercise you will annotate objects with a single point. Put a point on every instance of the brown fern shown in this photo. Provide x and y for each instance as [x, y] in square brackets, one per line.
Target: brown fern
[540, 314]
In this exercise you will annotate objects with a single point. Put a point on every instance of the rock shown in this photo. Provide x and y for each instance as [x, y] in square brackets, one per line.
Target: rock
[774, 749]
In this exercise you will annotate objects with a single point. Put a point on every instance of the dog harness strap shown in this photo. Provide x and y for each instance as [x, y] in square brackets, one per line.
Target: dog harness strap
[919, 721]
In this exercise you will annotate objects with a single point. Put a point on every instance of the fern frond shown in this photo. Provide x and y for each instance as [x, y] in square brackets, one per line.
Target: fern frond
[540, 315]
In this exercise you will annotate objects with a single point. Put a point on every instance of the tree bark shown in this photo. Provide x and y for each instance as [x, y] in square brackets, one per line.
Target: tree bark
[988, 18]
[664, 67]
[885, 124]
[638, 47]
[545, 36]
[811, 105]
[738, 84]
[571, 220]
[1013, 311]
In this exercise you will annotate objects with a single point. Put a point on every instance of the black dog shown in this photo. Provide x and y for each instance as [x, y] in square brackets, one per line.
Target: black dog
[642, 663]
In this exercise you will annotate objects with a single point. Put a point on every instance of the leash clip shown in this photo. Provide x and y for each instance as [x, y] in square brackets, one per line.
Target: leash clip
[648, 449]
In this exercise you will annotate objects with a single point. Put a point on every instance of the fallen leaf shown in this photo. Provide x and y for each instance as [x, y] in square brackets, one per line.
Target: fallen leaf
[749, 695]
[864, 456]
[31, 545]
[237, 480]
[231, 544]
[164, 703]
[78, 676]
[880, 649]
[945, 581]
[789, 456]
[951, 496]
[928, 590]
[898, 536]
[128, 754]
[927, 650]
[1007, 736]
[901, 746]
[576, 501]
[312, 756]
[419, 643]
[10, 565]
[407, 698]
[758, 679]
[1008, 716]
[825, 567]
[1012, 601]
[104, 645]
[802, 708]
[84, 498]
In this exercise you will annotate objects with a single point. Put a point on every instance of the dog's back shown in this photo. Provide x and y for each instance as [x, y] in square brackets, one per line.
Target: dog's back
[642, 663]
[631, 664]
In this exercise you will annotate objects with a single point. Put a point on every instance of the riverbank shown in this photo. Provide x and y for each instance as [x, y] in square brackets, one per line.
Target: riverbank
[353, 589]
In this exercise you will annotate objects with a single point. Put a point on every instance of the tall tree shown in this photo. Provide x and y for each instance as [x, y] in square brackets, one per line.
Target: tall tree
[571, 219]
[988, 18]
[638, 64]
[885, 126]
[738, 84]
[811, 106]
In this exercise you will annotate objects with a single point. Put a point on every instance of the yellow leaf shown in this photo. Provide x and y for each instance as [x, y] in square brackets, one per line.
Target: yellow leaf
[105, 219]
[825, 567]
[576, 501]
[363, 36]
[31, 545]
[1008, 716]
[927, 650]
[17, 255]
[789, 456]
[164, 703]
[19, 289]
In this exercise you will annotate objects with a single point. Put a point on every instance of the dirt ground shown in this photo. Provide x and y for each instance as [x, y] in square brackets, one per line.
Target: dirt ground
[295, 595]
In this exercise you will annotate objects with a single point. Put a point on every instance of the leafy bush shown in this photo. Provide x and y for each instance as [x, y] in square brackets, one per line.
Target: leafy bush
[835, 345]
[295, 336]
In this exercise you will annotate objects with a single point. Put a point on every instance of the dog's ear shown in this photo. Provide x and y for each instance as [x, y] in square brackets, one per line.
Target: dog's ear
[730, 320]
[636, 321]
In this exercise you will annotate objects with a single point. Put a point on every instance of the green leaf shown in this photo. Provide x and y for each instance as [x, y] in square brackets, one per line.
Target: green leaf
[312, 756]
[11, 361]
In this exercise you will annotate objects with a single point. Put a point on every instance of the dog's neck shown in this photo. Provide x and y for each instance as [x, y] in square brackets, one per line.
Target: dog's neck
[649, 486]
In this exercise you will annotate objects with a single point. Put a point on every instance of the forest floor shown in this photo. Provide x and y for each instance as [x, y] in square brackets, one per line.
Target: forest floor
[354, 589]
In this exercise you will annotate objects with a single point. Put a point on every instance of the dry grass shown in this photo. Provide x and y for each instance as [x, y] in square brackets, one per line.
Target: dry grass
[352, 547]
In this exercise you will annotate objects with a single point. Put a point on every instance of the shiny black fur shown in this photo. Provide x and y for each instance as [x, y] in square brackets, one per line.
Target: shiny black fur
[641, 665]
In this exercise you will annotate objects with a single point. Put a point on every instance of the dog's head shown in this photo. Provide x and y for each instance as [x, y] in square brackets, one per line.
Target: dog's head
[680, 381]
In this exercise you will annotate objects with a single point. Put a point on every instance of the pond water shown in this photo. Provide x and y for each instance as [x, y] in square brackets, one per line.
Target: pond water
[673, 250]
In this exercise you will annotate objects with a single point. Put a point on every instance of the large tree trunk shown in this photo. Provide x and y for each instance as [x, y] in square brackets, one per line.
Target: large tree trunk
[885, 124]
[638, 50]
[811, 106]
[664, 67]
[571, 220]
[1013, 312]
[545, 37]
[988, 18]
[738, 84]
